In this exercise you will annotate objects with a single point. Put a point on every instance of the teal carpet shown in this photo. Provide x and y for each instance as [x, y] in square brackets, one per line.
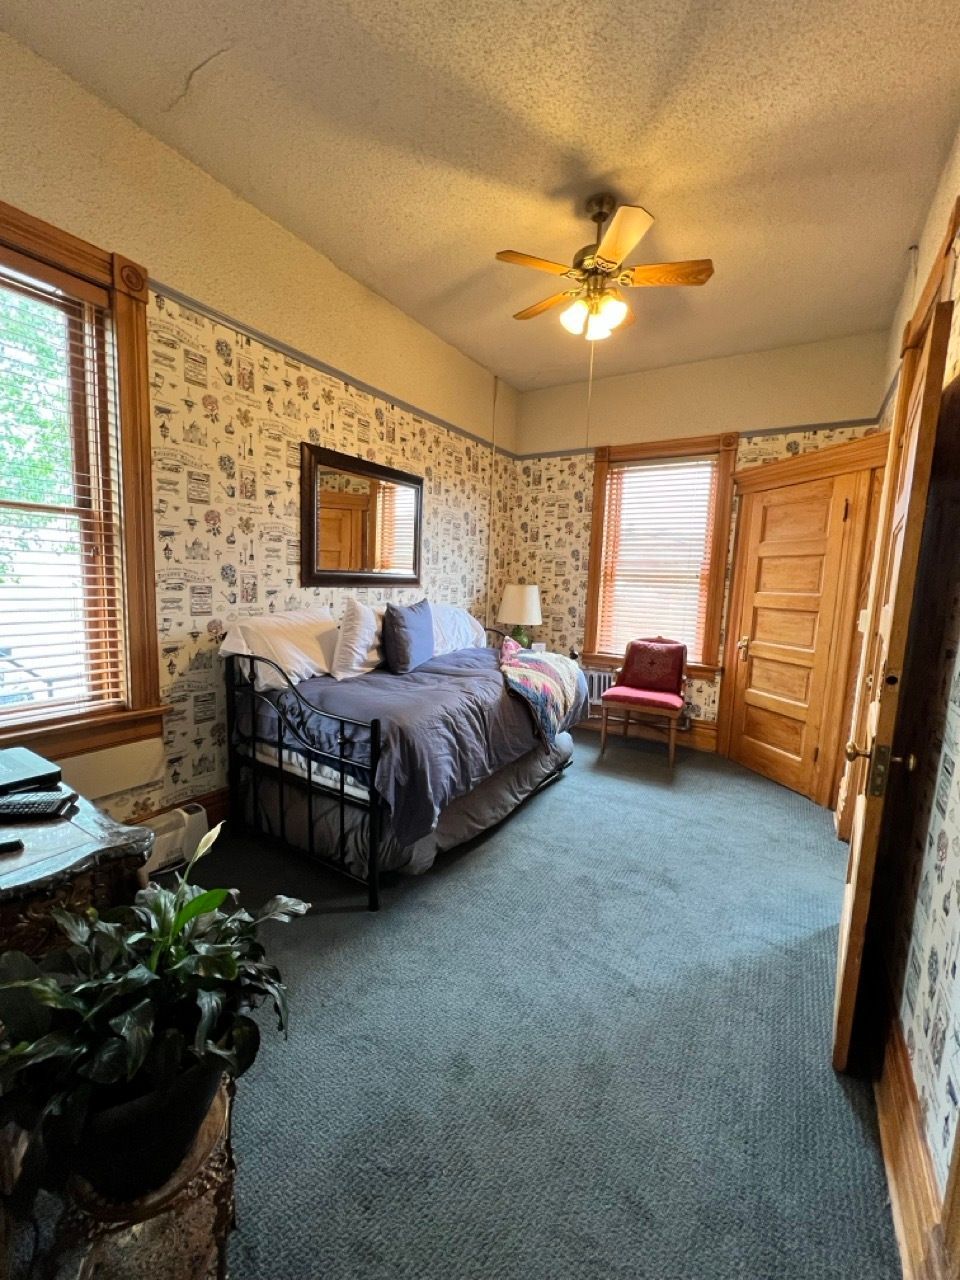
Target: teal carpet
[593, 1046]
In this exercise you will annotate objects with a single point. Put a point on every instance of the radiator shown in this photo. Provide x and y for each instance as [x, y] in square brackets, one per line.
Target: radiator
[598, 679]
[177, 835]
[601, 678]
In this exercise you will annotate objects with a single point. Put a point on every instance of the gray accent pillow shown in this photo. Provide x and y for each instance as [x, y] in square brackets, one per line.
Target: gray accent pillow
[407, 636]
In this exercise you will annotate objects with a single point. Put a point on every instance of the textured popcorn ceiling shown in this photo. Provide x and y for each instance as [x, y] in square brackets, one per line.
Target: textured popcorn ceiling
[797, 144]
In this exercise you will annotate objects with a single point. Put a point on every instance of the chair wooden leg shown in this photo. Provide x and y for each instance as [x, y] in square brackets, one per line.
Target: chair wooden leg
[603, 729]
[626, 724]
[672, 741]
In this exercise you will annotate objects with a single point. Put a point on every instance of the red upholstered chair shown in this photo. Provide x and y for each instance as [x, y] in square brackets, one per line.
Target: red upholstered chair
[649, 684]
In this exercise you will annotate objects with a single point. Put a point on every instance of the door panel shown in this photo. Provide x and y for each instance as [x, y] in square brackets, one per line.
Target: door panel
[795, 537]
[890, 600]
[341, 531]
[780, 679]
[791, 573]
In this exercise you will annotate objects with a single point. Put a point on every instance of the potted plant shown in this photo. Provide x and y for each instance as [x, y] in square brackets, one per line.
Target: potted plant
[112, 1049]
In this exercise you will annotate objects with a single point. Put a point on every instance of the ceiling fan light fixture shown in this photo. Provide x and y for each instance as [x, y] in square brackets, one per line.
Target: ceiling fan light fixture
[612, 309]
[597, 328]
[598, 269]
[575, 316]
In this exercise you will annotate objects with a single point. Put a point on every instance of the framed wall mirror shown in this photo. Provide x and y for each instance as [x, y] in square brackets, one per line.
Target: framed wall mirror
[359, 522]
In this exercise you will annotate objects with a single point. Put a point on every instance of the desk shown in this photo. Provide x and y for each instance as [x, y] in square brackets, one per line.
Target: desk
[80, 860]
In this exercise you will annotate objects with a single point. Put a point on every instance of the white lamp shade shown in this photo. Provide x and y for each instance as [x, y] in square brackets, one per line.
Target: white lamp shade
[520, 605]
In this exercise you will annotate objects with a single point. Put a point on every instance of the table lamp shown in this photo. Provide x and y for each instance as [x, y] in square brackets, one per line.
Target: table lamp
[520, 608]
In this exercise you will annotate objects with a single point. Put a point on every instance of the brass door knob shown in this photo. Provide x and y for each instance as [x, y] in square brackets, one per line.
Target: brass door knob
[853, 752]
[743, 644]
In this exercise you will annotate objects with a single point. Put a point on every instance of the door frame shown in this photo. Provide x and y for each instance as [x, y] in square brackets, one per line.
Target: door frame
[867, 454]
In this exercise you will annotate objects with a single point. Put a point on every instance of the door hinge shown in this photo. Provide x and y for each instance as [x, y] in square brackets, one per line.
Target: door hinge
[879, 768]
[846, 508]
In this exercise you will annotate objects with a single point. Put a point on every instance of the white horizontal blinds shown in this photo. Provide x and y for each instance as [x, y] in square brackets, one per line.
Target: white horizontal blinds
[656, 553]
[61, 579]
[397, 511]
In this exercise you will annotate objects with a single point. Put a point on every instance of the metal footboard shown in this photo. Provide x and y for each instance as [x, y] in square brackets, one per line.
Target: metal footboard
[242, 743]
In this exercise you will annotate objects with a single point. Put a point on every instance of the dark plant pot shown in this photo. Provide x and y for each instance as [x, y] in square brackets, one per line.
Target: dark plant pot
[131, 1149]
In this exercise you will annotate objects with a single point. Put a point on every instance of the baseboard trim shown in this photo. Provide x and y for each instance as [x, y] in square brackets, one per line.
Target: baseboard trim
[914, 1195]
[701, 736]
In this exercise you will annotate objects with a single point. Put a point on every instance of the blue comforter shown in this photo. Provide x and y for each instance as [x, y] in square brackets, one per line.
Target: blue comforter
[444, 728]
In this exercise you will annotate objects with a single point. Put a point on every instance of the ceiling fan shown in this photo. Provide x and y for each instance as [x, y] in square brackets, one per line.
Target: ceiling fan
[596, 306]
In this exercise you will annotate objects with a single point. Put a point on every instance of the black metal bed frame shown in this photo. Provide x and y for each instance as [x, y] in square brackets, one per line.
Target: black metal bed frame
[241, 683]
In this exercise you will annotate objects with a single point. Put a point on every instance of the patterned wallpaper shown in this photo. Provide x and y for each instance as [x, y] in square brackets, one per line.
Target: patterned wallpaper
[229, 413]
[929, 924]
[551, 536]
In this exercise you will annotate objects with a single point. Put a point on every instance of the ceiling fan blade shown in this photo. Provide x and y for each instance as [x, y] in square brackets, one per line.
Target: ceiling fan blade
[697, 271]
[627, 228]
[525, 260]
[538, 307]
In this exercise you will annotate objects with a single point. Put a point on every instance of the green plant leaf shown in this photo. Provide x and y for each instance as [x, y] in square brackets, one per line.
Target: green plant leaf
[281, 908]
[246, 1042]
[76, 928]
[160, 906]
[211, 1006]
[106, 991]
[55, 1044]
[203, 903]
[109, 1064]
[135, 1026]
[48, 992]
[237, 1049]
[24, 1016]
[214, 960]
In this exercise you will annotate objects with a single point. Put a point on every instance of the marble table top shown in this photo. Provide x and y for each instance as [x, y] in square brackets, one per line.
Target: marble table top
[59, 848]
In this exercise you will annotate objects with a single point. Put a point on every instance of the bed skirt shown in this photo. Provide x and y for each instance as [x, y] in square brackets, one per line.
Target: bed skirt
[487, 804]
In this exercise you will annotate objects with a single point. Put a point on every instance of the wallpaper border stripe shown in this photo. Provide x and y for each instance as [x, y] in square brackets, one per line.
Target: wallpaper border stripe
[321, 366]
[744, 435]
[294, 353]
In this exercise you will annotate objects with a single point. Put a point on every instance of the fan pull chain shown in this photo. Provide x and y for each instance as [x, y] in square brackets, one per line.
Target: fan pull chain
[593, 351]
[491, 518]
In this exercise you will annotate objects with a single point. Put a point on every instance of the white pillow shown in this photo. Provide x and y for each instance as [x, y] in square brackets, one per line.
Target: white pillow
[454, 628]
[301, 642]
[358, 644]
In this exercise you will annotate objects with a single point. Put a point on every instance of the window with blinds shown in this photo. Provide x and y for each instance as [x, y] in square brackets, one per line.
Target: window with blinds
[62, 646]
[656, 557]
[397, 528]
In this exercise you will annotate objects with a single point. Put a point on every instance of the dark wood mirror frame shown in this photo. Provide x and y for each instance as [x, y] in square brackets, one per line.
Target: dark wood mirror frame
[312, 458]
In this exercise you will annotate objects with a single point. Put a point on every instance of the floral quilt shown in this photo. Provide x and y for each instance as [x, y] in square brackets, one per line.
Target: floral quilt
[552, 686]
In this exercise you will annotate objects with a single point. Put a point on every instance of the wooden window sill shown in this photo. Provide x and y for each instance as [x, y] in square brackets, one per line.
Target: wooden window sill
[698, 670]
[93, 731]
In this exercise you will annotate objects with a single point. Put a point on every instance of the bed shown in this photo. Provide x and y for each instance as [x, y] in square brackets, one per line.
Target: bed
[385, 771]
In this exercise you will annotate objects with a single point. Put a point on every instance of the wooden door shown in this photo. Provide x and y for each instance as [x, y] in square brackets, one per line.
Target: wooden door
[341, 531]
[841, 798]
[892, 582]
[794, 540]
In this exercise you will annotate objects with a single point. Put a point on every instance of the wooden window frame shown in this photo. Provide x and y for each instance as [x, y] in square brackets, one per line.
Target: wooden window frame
[28, 242]
[724, 449]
